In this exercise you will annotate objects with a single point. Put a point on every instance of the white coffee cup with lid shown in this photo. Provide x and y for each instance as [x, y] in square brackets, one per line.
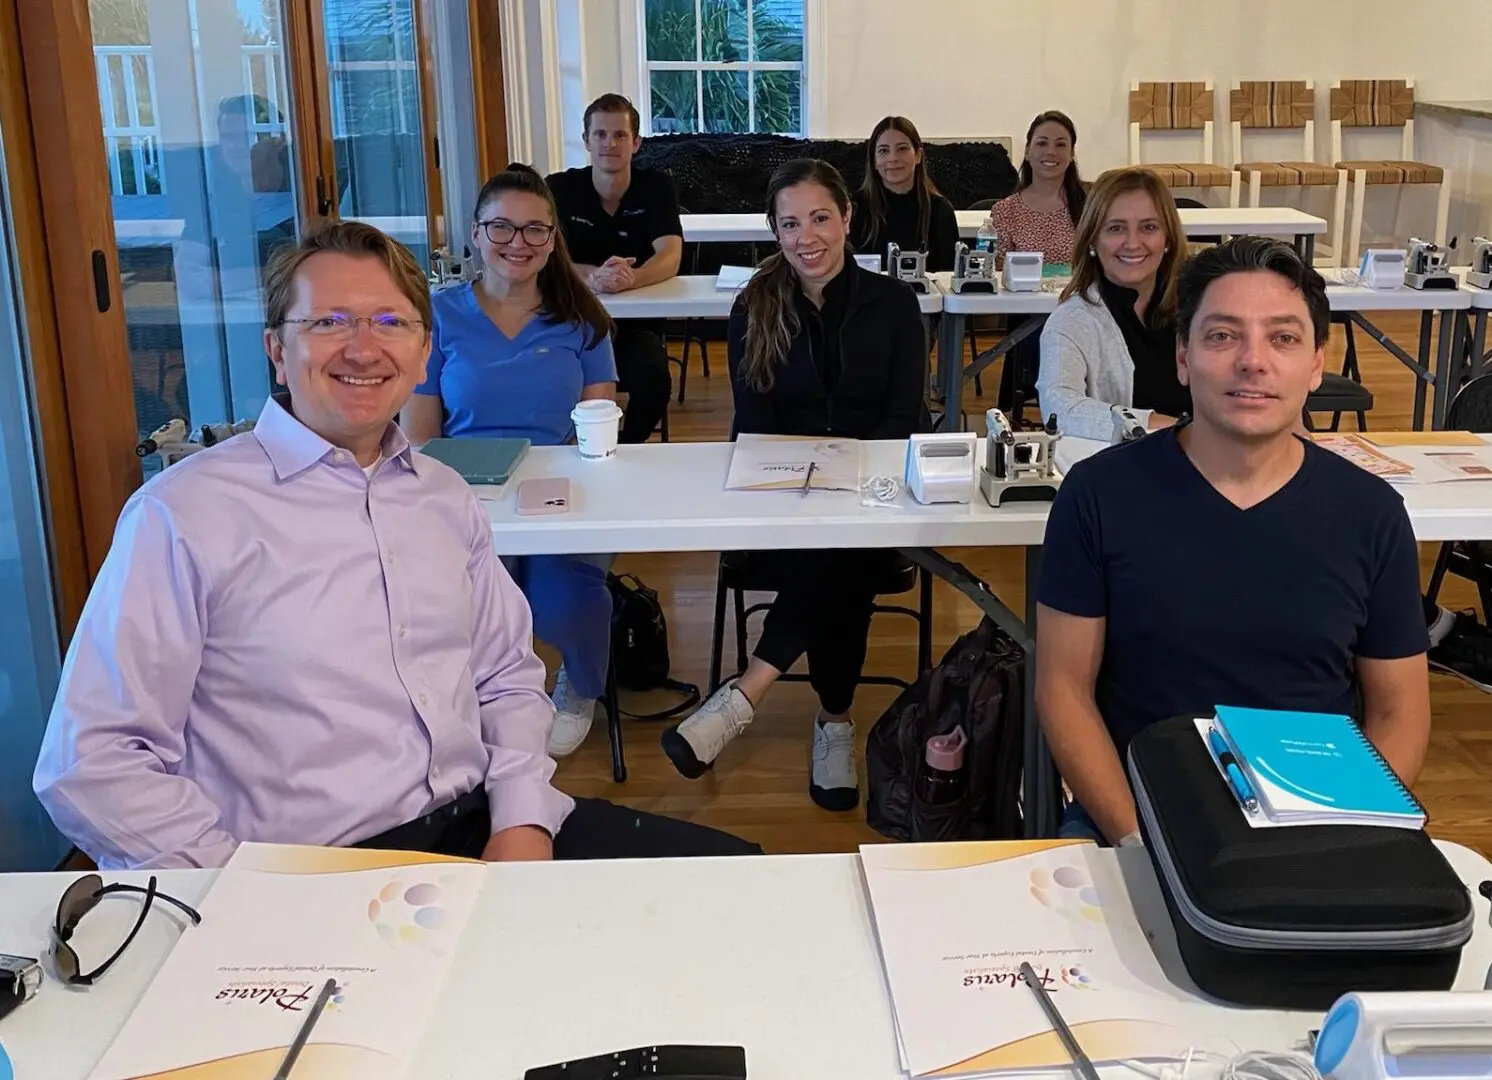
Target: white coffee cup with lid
[597, 426]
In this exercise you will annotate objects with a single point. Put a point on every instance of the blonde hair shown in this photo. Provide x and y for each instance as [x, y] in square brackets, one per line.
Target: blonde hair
[345, 238]
[1086, 269]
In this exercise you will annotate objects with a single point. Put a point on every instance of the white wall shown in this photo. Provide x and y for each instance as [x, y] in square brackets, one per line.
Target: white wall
[985, 67]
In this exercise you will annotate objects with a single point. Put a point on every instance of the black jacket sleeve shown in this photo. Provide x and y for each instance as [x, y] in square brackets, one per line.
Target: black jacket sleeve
[942, 234]
[906, 412]
[756, 413]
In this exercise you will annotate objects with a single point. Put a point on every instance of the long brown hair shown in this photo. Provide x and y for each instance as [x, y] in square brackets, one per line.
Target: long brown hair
[771, 311]
[1072, 184]
[873, 190]
[565, 296]
[1086, 270]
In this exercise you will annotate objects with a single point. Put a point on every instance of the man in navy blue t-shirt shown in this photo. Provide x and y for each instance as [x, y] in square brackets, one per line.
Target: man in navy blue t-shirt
[1227, 561]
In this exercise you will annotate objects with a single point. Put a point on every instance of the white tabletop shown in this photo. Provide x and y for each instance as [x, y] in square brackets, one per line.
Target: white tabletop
[773, 953]
[672, 497]
[696, 297]
[1205, 221]
[1454, 510]
[1403, 298]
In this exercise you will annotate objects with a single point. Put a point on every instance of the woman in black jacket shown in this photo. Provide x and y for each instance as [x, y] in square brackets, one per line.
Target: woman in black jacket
[817, 346]
[898, 202]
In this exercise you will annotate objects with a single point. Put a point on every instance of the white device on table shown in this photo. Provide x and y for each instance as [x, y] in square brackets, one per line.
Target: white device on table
[940, 467]
[908, 266]
[1424, 1034]
[973, 271]
[1127, 426]
[1022, 271]
[1382, 268]
[1480, 273]
[869, 262]
[1020, 466]
[1428, 266]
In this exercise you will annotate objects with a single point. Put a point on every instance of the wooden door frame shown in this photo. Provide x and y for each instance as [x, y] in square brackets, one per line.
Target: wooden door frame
[68, 268]
[305, 55]
[487, 86]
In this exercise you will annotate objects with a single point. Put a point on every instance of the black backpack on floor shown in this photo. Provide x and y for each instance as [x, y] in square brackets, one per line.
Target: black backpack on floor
[979, 685]
[639, 644]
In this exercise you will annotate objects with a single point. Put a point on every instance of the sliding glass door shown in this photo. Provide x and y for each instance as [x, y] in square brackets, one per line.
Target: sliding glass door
[29, 646]
[203, 166]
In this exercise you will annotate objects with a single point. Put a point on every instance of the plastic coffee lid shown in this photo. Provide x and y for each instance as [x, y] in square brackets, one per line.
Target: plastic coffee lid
[597, 409]
[946, 752]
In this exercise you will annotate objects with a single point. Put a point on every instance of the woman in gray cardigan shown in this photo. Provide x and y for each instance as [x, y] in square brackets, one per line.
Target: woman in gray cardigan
[1112, 339]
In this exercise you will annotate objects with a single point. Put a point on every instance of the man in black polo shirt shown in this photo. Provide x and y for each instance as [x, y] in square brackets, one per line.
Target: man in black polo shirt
[623, 231]
[1226, 561]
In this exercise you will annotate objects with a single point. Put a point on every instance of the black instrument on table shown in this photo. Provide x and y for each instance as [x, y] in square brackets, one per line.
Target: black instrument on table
[670, 1062]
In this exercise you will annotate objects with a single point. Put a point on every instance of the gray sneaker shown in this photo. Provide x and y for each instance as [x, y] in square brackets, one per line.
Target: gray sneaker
[694, 745]
[834, 784]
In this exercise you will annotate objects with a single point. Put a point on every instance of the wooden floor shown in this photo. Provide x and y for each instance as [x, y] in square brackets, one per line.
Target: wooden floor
[759, 788]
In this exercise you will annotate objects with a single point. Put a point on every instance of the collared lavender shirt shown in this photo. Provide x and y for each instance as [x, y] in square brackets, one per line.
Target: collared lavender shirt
[281, 648]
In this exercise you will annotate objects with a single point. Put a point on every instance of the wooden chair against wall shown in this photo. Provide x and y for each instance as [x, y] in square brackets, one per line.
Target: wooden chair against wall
[1286, 106]
[1383, 103]
[1176, 107]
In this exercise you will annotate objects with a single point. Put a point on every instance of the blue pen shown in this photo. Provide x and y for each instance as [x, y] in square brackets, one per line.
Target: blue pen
[1242, 789]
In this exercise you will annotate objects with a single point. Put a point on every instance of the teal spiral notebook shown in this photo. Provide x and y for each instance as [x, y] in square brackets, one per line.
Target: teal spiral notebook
[1316, 769]
[479, 461]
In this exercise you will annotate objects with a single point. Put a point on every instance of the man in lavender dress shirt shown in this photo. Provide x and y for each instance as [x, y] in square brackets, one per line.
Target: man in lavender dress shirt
[303, 635]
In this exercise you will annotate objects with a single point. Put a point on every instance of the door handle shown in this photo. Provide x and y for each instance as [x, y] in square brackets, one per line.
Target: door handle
[323, 204]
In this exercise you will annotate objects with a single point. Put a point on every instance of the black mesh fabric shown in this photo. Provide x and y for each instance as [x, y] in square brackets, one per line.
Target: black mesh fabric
[727, 174]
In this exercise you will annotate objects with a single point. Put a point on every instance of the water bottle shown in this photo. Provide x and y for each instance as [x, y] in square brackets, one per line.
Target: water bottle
[988, 237]
[941, 780]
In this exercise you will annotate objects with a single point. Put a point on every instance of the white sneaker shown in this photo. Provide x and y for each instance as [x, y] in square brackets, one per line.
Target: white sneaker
[694, 745]
[834, 784]
[572, 717]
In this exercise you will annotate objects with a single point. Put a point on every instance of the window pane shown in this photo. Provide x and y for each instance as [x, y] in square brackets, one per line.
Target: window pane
[726, 101]
[675, 100]
[778, 30]
[203, 192]
[779, 102]
[670, 30]
[30, 652]
[376, 122]
[723, 31]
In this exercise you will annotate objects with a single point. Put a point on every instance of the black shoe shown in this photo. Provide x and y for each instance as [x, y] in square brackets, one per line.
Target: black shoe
[1466, 652]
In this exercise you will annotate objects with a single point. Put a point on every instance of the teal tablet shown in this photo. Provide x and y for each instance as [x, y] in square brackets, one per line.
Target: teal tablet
[479, 461]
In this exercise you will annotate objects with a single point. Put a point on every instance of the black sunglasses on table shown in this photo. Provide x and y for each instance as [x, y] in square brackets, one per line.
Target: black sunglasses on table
[81, 897]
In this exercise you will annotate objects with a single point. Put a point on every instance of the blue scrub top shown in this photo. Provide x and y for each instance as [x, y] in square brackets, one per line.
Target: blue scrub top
[494, 386]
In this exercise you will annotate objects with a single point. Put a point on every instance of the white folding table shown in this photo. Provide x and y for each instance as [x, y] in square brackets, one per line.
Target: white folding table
[775, 953]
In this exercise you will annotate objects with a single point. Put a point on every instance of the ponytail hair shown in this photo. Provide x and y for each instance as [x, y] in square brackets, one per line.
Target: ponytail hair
[1072, 185]
[565, 295]
[770, 297]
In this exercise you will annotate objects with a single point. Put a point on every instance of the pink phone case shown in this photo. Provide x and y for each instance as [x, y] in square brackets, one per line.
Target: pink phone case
[544, 495]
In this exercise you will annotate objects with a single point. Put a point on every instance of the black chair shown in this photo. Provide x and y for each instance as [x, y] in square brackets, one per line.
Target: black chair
[690, 334]
[1341, 393]
[738, 576]
[1471, 410]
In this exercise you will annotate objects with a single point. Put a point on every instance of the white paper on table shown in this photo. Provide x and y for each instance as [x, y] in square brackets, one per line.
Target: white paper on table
[278, 922]
[734, 277]
[955, 921]
[791, 463]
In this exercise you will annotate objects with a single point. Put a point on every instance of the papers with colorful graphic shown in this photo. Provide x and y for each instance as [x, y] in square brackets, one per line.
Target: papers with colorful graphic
[278, 922]
[956, 920]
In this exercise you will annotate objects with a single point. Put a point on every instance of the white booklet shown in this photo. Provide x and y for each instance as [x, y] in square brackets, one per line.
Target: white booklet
[277, 924]
[734, 277]
[793, 463]
[956, 920]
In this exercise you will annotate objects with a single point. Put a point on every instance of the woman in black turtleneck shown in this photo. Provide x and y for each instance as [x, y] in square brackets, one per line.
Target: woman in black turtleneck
[897, 202]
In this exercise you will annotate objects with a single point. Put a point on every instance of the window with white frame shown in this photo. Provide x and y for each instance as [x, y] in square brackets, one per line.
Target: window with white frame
[723, 66]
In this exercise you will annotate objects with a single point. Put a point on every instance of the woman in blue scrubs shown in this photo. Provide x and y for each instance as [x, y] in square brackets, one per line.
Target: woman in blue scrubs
[513, 353]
